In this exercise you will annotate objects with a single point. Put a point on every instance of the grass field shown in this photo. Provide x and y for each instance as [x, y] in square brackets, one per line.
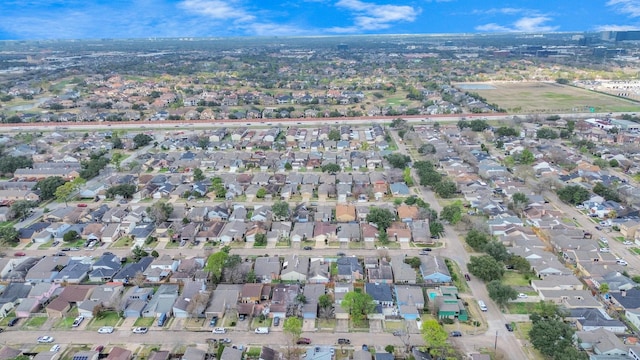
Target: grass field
[536, 97]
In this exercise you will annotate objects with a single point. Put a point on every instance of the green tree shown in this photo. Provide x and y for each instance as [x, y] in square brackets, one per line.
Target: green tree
[280, 209]
[434, 335]
[519, 263]
[486, 268]
[21, 208]
[198, 175]
[436, 228]
[414, 262]
[604, 288]
[215, 265]
[160, 211]
[526, 157]
[261, 193]
[331, 168]
[288, 166]
[445, 189]
[70, 236]
[66, 190]
[358, 305]
[293, 327]
[251, 277]
[124, 190]
[9, 235]
[501, 293]
[546, 133]
[334, 135]
[9, 164]
[573, 194]
[390, 349]
[497, 250]
[398, 161]
[141, 140]
[381, 217]
[261, 239]
[477, 240]
[48, 187]
[520, 198]
[506, 131]
[551, 337]
[452, 213]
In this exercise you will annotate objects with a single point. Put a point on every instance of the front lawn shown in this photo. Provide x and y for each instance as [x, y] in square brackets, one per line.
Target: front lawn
[523, 308]
[513, 278]
[144, 322]
[106, 318]
[124, 242]
[35, 322]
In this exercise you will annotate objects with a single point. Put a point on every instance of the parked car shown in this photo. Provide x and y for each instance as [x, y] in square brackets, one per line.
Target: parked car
[45, 339]
[303, 341]
[77, 321]
[343, 341]
[508, 326]
[13, 322]
[455, 334]
[276, 321]
[467, 277]
[55, 348]
[66, 249]
[105, 330]
[365, 347]
[213, 321]
[219, 330]
[307, 248]
[20, 253]
[522, 296]
[627, 242]
[398, 333]
[140, 330]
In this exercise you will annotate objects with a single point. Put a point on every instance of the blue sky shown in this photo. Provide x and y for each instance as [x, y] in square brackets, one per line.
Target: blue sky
[79, 19]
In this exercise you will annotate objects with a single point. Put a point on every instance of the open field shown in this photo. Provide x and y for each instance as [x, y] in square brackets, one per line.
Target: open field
[538, 97]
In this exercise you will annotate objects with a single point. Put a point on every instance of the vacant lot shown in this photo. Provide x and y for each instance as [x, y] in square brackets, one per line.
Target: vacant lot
[535, 97]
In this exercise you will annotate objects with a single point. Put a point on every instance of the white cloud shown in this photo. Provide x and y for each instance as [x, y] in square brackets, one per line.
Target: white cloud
[368, 16]
[504, 11]
[629, 7]
[616, 28]
[218, 10]
[525, 24]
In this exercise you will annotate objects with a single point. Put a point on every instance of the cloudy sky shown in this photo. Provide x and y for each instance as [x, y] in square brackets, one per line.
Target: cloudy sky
[78, 19]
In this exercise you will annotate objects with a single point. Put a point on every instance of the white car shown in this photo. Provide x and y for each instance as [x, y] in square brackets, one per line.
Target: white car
[621, 262]
[55, 348]
[627, 242]
[219, 330]
[77, 321]
[140, 330]
[604, 240]
[45, 339]
[105, 330]
[604, 250]
[522, 296]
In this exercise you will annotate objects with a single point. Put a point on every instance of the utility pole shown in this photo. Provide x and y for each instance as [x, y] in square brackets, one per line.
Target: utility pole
[495, 344]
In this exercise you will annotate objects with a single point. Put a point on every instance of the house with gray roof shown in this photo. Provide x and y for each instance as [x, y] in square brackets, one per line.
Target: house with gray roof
[434, 270]
[74, 273]
[105, 268]
[187, 304]
[312, 292]
[403, 273]
[162, 301]
[129, 271]
[381, 294]
[349, 268]
[46, 269]
[295, 268]
[600, 342]
[267, 268]
[302, 231]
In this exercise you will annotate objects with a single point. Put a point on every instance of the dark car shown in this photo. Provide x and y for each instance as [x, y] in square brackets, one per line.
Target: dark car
[20, 253]
[467, 277]
[508, 326]
[455, 334]
[13, 321]
[66, 249]
[426, 249]
[343, 341]
[99, 348]
[307, 248]
[214, 321]
[303, 341]
[276, 321]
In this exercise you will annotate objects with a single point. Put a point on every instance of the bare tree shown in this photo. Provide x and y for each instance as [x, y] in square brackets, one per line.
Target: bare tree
[198, 303]
[138, 279]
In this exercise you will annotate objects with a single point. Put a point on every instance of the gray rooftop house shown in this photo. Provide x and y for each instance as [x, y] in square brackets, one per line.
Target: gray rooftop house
[129, 271]
[162, 301]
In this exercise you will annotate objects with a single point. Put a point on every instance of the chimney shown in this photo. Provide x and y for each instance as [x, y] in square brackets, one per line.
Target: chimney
[623, 292]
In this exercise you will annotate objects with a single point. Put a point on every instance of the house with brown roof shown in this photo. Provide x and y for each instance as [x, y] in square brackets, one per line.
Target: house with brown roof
[408, 213]
[251, 293]
[70, 296]
[118, 353]
[345, 213]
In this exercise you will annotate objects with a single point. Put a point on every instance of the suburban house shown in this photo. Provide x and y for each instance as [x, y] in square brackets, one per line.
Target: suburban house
[434, 270]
